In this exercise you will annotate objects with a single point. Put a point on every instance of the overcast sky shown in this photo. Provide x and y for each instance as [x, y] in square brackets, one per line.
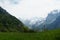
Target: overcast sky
[30, 8]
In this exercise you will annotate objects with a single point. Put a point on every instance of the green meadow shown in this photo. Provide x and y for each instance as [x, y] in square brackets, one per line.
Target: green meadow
[47, 35]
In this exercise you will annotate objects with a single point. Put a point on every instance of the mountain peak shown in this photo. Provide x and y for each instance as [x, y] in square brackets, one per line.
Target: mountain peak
[52, 16]
[2, 11]
[55, 12]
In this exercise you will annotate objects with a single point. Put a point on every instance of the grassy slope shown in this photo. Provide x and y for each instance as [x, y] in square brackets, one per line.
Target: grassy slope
[50, 35]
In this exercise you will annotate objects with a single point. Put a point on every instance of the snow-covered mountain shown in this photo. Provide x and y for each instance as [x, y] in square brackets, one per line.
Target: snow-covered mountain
[33, 21]
[36, 23]
[52, 16]
[53, 20]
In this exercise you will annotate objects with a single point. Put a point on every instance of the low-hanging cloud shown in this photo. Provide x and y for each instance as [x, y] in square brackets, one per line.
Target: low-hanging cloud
[10, 1]
[30, 8]
[14, 1]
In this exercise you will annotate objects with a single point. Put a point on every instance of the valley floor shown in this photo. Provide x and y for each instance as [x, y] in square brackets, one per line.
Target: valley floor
[50, 35]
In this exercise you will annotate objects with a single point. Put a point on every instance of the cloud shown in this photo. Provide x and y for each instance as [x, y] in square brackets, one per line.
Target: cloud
[14, 1]
[10, 1]
[30, 8]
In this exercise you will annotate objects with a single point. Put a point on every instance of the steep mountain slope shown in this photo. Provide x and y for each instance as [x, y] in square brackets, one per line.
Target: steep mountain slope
[52, 16]
[53, 20]
[55, 24]
[9, 22]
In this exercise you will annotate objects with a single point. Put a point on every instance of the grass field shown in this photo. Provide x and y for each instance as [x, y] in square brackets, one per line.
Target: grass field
[50, 35]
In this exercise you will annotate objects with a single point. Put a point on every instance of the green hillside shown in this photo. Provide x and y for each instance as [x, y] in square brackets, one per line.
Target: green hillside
[9, 23]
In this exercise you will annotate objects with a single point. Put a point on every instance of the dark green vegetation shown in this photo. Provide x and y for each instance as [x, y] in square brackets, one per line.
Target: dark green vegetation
[9, 23]
[49, 35]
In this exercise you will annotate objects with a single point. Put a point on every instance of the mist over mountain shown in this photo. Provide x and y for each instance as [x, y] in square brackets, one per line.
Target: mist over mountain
[52, 16]
[33, 23]
[52, 21]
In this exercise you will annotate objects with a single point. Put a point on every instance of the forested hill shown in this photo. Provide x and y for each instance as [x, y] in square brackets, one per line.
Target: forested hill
[9, 23]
